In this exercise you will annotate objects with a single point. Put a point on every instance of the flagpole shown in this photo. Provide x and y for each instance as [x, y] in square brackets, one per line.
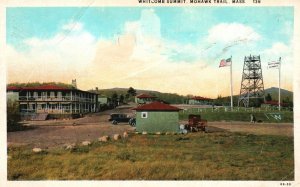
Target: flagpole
[279, 69]
[231, 83]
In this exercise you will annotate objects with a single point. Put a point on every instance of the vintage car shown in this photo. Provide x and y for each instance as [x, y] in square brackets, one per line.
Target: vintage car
[116, 118]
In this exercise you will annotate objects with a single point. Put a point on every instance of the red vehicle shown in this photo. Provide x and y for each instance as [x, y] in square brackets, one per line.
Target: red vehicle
[196, 123]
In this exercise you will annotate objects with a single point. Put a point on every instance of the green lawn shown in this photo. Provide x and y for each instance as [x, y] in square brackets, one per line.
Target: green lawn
[221, 115]
[195, 156]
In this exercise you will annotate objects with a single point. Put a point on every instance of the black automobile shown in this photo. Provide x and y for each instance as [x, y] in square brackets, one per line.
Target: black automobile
[119, 117]
[132, 122]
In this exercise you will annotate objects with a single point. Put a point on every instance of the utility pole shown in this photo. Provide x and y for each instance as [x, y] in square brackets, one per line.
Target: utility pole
[279, 70]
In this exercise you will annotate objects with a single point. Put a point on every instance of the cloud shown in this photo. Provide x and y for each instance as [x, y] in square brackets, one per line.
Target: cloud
[147, 36]
[231, 32]
[287, 29]
[120, 70]
[285, 51]
[143, 60]
[139, 57]
[278, 49]
[58, 58]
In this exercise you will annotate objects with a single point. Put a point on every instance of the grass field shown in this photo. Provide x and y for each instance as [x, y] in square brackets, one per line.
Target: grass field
[195, 156]
[241, 115]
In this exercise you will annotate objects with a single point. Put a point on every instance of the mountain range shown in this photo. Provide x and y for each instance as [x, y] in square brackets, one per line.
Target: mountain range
[273, 91]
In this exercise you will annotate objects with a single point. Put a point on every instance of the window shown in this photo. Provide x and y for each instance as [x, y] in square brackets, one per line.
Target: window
[44, 94]
[59, 95]
[39, 107]
[52, 94]
[144, 115]
[35, 95]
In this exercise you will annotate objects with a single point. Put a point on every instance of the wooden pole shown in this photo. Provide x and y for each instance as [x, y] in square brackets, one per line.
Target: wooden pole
[279, 69]
[231, 83]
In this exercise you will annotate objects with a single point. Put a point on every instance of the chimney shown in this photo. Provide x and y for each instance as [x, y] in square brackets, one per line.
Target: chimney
[74, 84]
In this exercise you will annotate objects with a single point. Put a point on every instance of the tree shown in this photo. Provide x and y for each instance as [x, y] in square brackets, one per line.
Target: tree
[13, 116]
[256, 102]
[121, 98]
[268, 97]
[114, 99]
[131, 91]
[288, 101]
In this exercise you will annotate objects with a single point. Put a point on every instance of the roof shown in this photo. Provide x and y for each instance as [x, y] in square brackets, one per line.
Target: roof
[156, 106]
[42, 88]
[145, 96]
[12, 88]
[200, 98]
[274, 103]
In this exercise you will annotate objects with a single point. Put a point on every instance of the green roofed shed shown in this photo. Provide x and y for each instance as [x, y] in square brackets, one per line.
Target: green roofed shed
[157, 117]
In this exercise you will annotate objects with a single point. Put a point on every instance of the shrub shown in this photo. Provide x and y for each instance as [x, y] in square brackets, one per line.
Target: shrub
[13, 116]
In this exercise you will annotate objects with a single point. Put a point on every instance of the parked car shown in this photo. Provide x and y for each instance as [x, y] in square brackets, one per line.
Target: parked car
[132, 122]
[119, 118]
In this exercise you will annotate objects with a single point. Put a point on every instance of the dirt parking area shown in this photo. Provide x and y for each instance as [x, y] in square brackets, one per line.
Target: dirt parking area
[52, 133]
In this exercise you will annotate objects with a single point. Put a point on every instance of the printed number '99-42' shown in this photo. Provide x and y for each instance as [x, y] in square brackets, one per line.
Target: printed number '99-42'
[285, 184]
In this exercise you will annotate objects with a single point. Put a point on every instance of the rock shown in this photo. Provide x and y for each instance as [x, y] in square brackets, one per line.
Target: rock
[103, 139]
[158, 133]
[168, 133]
[144, 132]
[70, 146]
[125, 135]
[137, 133]
[117, 137]
[37, 150]
[86, 143]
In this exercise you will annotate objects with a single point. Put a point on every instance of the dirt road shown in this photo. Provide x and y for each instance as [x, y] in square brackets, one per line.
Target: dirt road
[52, 133]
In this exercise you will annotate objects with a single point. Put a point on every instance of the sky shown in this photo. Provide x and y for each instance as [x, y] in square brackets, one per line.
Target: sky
[167, 49]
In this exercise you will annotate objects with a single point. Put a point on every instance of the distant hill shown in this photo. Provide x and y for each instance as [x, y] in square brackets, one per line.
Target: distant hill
[178, 99]
[286, 97]
[167, 97]
[125, 90]
[273, 91]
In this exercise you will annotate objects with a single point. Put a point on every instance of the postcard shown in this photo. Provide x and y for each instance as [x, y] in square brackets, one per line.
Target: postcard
[150, 92]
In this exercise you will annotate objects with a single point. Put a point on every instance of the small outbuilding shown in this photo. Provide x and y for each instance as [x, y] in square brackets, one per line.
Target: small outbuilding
[157, 117]
[197, 100]
[144, 98]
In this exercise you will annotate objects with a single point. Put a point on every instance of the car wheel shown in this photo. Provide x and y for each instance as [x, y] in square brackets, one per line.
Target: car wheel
[114, 122]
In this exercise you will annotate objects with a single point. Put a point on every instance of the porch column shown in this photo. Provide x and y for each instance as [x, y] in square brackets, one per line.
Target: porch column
[71, 108]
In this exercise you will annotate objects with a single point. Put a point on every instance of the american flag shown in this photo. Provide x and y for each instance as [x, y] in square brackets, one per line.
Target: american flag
[224, 62]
